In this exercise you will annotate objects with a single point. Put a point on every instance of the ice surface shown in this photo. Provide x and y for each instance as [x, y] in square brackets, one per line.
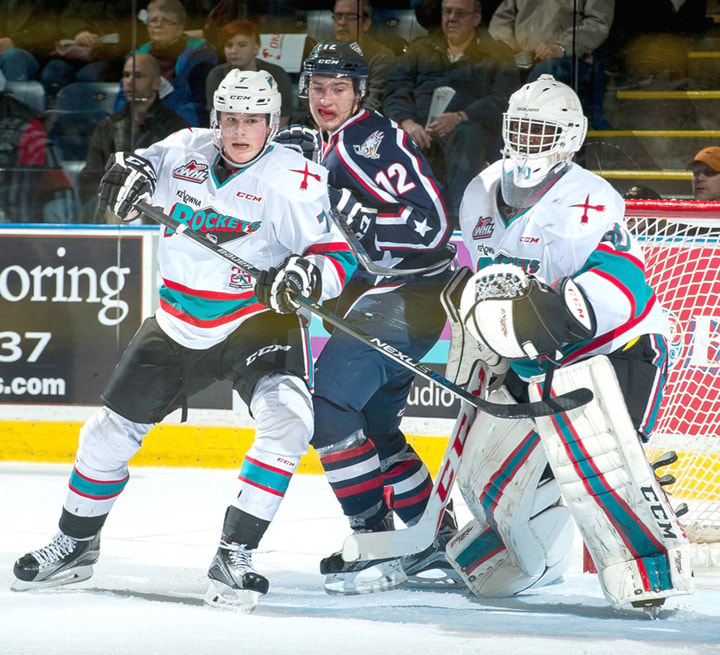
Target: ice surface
[146, 594]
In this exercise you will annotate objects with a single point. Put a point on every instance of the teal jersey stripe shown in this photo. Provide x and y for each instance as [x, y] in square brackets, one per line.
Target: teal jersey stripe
[205, 309]
[98, 489]
[620, 267]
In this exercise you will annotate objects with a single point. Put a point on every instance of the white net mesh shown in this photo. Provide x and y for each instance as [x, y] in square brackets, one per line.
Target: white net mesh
[683, 265]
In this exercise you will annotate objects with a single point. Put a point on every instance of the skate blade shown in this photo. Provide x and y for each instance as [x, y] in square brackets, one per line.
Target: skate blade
[650, 607]
[72, 576]
[383, 577]
[220, 596]
[436, 578]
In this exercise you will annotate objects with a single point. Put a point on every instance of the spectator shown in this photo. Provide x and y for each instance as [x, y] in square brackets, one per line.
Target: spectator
[148, 122]
[93, 38]
[705, 167]
[467, 135]
[557, 37]
[185, 61]
[351, 21]
[240, 41]
[33, 186]
[27, 32]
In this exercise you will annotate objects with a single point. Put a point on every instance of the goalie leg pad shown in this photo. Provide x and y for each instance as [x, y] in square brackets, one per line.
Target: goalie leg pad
[502, 477]
[626, 521]
[488, 568]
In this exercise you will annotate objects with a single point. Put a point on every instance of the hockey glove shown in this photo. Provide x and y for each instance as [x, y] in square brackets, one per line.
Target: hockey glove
[128, 178]
[278, 287]
[520, 316]
[358, 216]
[301, 139]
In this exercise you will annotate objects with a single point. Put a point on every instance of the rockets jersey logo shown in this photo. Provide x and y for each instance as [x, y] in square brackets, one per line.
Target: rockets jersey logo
[370, 147]
[586, 206]
[218, 228]
[192, 172]
[483, 228]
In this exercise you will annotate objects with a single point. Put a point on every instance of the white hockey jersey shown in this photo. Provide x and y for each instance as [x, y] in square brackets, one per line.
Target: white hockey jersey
[576, 229]
[275, 207]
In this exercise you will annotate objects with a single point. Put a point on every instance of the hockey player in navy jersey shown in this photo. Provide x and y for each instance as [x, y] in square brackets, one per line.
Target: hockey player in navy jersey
[560, 282]
[386, 192]
[269, 206]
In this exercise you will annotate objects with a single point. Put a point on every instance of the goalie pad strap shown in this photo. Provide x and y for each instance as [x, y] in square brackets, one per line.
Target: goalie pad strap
[626, 521]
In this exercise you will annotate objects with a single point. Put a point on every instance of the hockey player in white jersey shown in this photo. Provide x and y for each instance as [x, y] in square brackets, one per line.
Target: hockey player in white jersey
[560, 290]
[268, 205]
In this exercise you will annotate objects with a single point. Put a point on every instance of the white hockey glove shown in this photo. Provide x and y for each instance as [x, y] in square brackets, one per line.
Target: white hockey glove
[128, 178]
[303, 140]
[358, 216]
[519, 316]
[278, 287]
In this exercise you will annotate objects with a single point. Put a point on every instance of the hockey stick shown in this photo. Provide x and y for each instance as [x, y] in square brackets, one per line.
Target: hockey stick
[399, 543]
[564, 403]
[364, 258]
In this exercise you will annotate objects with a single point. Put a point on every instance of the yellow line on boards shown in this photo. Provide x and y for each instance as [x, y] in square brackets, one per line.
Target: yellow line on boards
[169, 445]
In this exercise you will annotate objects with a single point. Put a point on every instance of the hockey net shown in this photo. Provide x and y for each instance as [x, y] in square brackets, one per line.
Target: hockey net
[681, 240]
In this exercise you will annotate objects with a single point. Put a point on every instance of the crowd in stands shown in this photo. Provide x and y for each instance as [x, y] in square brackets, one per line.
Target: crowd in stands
[482, 49]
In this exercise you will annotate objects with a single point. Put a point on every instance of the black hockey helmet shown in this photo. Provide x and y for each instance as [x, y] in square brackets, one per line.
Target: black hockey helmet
[335, 59]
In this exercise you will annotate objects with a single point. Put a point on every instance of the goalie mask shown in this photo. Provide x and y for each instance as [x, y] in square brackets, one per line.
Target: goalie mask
[246, 92]
[543, 127]
[335, 59]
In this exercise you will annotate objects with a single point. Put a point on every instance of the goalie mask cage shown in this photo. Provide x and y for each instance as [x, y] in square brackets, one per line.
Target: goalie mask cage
[681, 241]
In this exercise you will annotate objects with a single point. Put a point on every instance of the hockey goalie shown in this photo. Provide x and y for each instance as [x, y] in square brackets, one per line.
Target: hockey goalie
[560, 295]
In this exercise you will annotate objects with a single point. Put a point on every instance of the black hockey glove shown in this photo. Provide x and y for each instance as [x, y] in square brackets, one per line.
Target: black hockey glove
[127, 179]
[302, 139]
[358, 216]
[278, 287]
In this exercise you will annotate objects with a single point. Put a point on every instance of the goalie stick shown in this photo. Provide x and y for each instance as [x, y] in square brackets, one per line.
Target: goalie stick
[564, 403]
[414, 539]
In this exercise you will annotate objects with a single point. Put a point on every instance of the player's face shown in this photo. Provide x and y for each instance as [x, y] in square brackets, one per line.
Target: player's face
[332, 101]
[532, 137]
[241, 50]
[243, 135]
[705, 182]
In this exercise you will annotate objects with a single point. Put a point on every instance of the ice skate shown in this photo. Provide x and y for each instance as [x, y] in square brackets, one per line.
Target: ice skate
[63, 561]
[234, 583]
[430, 567]
[364, 576]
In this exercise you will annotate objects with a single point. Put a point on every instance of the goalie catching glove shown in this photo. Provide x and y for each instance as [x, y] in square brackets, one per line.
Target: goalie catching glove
[278, 288]
[128, 179]
[358, 216]
[519, 316]
[303, 140]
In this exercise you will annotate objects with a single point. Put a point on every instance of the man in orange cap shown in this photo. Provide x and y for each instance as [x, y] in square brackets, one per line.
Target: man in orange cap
[705, 167]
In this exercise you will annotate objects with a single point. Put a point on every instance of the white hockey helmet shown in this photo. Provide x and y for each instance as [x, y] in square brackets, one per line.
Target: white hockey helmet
[246, 92]
[543, 126]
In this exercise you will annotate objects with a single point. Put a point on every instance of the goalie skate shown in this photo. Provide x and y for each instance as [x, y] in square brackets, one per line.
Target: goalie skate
[63, 561]
[430, 567]
[234, 583]
[363, 576]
